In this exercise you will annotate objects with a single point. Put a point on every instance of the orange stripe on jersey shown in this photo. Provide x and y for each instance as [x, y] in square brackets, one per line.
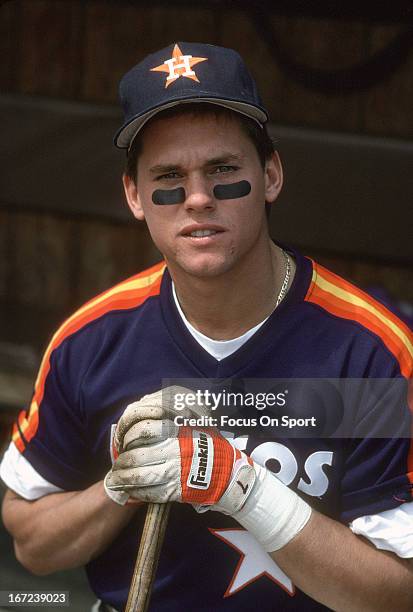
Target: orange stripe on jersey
[127, 294]
[357, 313]
[398, 326]
[121, 302]
[341, 298]
[17, 439]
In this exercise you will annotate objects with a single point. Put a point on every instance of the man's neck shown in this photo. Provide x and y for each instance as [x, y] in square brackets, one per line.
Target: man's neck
[226, 306]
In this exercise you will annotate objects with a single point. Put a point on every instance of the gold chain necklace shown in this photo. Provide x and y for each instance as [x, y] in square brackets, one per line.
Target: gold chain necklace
[286, 279]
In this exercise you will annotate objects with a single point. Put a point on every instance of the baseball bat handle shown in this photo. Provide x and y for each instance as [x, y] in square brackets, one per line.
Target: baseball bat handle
[148, 556]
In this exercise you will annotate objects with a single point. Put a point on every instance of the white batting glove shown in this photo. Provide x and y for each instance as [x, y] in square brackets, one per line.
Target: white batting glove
[158, 461]
[155, 406]
[161, 462]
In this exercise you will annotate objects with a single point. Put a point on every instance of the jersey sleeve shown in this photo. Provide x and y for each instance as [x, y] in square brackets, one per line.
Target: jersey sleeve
[51, 434]
[20, 476]
[378, 468]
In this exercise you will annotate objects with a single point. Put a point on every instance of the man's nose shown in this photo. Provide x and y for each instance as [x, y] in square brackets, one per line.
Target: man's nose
[199, 194]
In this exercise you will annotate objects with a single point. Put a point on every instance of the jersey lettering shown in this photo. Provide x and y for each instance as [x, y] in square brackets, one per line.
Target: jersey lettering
[316, 483]
[313, 467]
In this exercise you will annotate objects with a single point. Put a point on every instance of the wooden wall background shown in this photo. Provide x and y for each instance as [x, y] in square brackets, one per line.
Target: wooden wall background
[79, 50]
[50, 264]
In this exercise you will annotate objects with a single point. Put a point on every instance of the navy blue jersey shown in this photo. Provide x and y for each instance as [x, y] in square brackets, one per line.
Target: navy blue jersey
[124, 343]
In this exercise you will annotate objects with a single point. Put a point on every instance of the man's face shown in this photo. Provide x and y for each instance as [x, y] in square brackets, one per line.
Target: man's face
[198, 153]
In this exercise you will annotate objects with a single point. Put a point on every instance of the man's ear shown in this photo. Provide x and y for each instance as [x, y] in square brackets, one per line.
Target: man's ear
[132, 197]
[273, 177]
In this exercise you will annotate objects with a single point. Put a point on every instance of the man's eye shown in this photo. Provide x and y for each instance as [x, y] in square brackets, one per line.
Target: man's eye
[223, 169]
[168, 175]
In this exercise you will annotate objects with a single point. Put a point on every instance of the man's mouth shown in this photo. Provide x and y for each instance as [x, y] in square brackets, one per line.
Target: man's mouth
[202, 233]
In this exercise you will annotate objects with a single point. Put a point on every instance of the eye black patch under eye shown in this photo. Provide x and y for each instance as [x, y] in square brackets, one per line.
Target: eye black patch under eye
[232, 191]
[169, 196]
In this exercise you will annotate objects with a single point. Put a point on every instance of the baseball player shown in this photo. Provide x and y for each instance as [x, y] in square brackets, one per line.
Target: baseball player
[260, 519]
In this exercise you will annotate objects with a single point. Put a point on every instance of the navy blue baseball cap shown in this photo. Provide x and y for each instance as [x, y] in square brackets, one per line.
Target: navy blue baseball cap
[186, 72]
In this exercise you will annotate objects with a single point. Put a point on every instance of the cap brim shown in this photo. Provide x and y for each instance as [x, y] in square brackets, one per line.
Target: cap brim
[124, 137]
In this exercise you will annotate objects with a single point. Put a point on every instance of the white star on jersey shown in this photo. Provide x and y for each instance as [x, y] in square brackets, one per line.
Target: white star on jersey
[254, 562]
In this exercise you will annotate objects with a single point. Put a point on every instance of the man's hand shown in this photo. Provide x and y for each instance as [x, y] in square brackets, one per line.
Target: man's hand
[159, 462]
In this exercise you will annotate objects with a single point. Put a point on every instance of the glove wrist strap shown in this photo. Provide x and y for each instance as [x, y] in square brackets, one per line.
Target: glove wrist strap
[273, 513]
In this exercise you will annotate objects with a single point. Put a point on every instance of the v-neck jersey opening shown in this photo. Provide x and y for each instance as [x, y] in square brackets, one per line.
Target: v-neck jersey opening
[259, 341]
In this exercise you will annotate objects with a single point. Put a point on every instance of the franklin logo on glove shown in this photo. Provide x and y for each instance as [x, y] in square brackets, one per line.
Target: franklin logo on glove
[202, 462]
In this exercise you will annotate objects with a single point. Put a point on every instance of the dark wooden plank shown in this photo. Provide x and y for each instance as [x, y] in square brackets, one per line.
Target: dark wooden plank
[54, 254]
[9, 37]
[112, 45]
[186, 24]
[57, 263]
[397, 281]
[109, 254]
[26, 264]
[41, 260]
[238, 32]
[9, 250]
[96, 266]
[388, 107]
[324, 45]
[5, 262]
[51, 47]
[133, 248]
[4, 255]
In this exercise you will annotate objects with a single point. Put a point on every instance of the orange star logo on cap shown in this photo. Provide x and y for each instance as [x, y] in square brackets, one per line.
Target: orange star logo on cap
[179, 65]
